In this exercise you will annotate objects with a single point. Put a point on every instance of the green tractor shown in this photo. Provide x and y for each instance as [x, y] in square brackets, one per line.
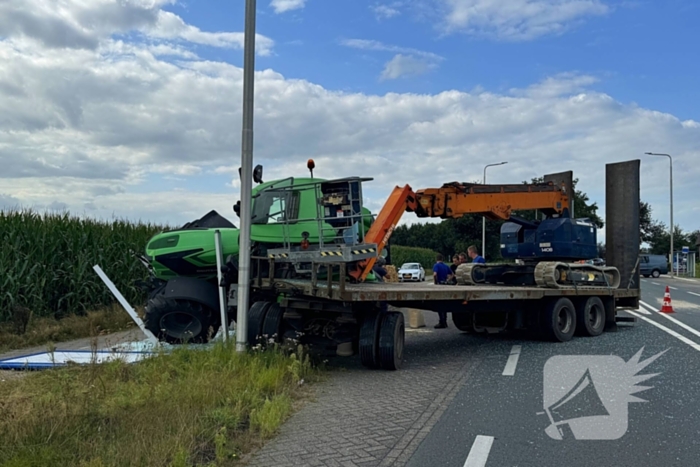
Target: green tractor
[183, 297]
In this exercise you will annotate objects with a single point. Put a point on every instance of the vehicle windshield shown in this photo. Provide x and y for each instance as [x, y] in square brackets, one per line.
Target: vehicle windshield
[275, 206]
[410, 266]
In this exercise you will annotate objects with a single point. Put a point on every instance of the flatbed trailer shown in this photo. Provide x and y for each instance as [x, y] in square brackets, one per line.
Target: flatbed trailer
[351, 318]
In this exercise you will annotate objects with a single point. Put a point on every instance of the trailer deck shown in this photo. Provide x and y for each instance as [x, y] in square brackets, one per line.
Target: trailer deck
[426, 291]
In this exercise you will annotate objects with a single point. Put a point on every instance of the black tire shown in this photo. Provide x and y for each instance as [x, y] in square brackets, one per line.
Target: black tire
[655, 273]
[559, 320]
[177, 321]
[369, 339]
[256, 320]
[464, 321]
[590, 317]
[273, 326]
[391, 341]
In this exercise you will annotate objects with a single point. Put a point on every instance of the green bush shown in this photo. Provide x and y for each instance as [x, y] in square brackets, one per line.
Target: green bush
[409, 254]
[46, 262]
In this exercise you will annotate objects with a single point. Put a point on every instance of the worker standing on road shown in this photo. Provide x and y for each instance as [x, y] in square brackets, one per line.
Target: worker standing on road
[441, 274]
[474, 255]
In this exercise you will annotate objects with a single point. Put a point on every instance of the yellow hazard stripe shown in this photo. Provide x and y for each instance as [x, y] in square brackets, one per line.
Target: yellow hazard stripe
[368, 250]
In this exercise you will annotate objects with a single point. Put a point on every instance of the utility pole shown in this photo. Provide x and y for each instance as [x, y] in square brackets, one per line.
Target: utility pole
[483, 219]
[246, 176]
[671, 189]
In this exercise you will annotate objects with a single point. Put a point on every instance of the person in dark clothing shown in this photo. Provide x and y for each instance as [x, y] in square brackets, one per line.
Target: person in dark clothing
[380, 272]
[441, 274]
[455, 263]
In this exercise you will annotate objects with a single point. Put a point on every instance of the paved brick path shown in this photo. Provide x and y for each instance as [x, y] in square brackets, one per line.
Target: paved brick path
[376, 418]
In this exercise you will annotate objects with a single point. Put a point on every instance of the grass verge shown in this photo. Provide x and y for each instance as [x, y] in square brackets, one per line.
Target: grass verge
[41, 331]
[188, 407]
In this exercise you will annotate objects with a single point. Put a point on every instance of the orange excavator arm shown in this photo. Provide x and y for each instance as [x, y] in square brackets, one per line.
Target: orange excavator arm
[454, 200]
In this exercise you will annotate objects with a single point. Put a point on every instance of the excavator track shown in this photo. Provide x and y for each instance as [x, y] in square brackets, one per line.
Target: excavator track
[546, 274]
[464, 274]
[559, 275]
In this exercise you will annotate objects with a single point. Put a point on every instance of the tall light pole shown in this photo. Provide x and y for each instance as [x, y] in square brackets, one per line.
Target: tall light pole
[483, 219]
[246, 177]
[671, 189]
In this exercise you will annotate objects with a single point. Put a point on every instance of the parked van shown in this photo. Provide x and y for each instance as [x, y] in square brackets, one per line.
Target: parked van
[653, 265]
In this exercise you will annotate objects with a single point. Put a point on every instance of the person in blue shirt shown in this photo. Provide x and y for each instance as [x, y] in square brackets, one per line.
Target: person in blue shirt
[441, 274]
[474, 255]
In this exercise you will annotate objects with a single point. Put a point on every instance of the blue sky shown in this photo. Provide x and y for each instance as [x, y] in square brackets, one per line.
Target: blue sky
[132, 108]
[643, 51]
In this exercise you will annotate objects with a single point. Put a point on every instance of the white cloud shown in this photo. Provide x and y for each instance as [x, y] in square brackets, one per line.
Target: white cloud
[365, 44]
[405, 65]
[282, 6]
[100, 129]
[386, 11]
[80, 24]
[407, 61]
[516, 19]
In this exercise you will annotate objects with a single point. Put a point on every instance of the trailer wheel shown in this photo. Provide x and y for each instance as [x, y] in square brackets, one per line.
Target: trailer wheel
[178, 321]
[464, 321]
[590, 317]
[391, 341]
[256, 320]
[273, 327]
[559, 323]
[369, 339]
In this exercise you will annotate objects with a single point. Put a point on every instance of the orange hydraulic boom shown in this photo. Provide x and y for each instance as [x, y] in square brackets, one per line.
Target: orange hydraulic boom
[454, 200]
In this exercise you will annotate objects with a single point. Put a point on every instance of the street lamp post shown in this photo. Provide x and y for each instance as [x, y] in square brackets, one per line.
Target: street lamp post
[671, 189]
[483, 219]
[246, 177]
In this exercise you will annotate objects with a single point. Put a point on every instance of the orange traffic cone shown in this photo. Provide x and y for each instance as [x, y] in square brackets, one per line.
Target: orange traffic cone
[667, 308]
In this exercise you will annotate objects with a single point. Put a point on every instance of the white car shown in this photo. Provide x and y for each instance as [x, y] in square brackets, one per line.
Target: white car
[411, 272]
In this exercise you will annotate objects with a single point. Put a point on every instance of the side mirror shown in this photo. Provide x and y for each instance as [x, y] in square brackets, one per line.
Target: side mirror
[258, 173]
[237, 208]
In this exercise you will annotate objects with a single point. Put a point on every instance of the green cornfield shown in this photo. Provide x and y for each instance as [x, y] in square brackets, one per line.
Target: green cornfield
[46, 262]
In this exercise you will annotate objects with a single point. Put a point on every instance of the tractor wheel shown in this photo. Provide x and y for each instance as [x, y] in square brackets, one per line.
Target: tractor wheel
[559, 320]
[464, 321]
[590, 317]
[179, 321]
[256, 321]
[391, 341]
[273, 326]
[369, 339]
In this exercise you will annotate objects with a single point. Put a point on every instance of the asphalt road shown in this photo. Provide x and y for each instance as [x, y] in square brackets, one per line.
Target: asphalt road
[498, 417]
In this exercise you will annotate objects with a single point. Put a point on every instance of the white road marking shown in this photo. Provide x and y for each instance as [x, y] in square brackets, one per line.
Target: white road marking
[693, 293]
[683, 325]
[686, 279]
[669, 331]
[672, 288]
[512, 361]
[479, 453]
[641, 310]
[655, 283]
